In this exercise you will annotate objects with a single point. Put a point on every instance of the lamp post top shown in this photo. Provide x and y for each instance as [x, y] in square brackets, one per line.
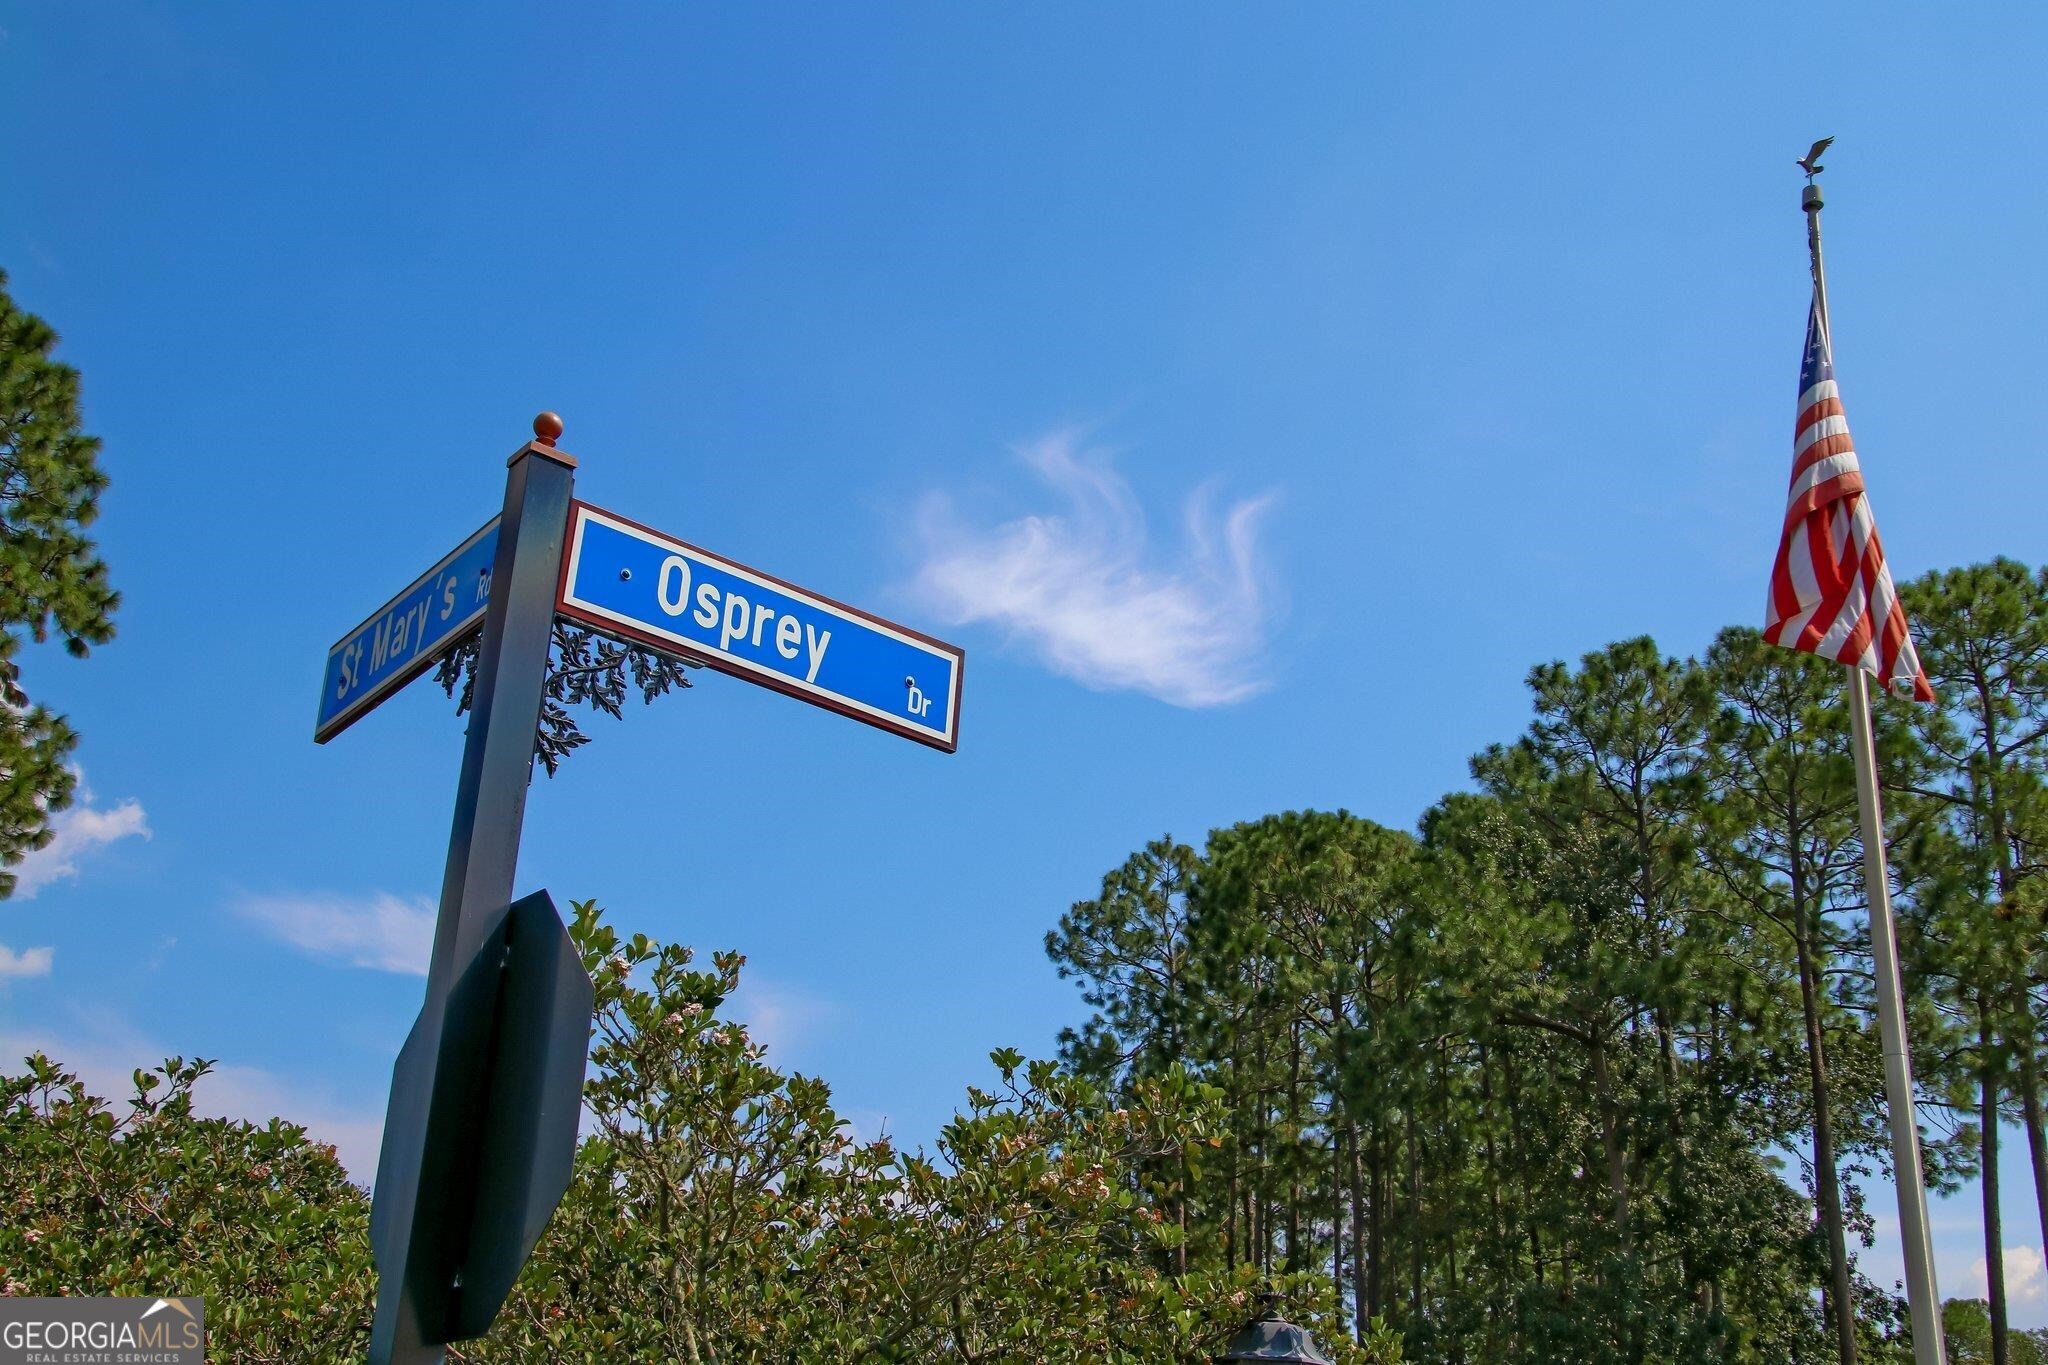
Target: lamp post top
[1270, 1337]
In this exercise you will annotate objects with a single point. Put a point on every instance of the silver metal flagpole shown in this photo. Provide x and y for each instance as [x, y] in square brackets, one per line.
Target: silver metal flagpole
[1921, 1291]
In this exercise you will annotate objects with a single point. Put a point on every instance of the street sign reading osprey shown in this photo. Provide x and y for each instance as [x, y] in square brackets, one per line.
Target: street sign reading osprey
[406, 634]
[623, 579]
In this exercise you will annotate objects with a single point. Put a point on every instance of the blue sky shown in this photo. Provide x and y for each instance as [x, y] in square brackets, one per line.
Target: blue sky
[1255, 398]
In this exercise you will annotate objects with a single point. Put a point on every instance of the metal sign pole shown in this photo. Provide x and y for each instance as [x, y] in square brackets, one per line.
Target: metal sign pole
[476, 891]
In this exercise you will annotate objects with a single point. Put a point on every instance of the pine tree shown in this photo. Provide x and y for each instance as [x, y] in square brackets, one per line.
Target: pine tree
[1985, 633]
[52, 581]
[1310, 904]
[1784, 845]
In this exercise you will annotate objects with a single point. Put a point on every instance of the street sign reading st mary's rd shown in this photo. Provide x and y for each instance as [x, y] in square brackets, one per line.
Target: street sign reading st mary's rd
[625, 579]
[405, 635]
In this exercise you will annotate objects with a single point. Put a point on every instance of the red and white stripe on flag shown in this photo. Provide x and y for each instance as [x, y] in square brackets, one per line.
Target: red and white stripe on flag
[1831, 593]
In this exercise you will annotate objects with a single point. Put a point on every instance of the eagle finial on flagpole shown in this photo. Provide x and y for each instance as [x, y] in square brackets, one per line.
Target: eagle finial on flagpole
[1810, 204]
[1810, 163]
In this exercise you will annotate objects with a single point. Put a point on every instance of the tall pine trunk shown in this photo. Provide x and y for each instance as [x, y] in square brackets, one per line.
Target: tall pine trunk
[1414, 1221]
[1361, 1294]
[1296, 1260]
[1610, 1143]
[2037, 1141]
[1376, 1260]
[1840, 1302]
[1346, 1179]
[1994, 1232]
[1336, 1211]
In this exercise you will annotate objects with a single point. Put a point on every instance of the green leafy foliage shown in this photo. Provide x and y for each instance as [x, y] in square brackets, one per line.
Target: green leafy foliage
[721, 1210]
[1582, 1070]
[1588, 1072]
[156, 1199]
[52, 581]
[1966, 1328]
[1974, 866]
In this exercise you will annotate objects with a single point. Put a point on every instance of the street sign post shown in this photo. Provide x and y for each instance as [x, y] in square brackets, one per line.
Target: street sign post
[624, 579]
[480, 1136]
[418, 1301]
[406, 634]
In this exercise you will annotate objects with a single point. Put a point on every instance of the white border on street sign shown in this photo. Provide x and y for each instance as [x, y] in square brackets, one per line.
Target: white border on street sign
[654, 636]
[350, 714]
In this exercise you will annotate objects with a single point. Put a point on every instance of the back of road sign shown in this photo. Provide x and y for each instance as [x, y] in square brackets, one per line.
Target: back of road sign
[532, 1112]
[500, 1122]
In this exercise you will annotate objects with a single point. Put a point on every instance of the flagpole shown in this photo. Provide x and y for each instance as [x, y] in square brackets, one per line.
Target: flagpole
[1921, 1292]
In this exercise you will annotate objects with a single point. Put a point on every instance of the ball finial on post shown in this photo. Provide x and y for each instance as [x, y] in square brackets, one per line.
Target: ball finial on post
[547, 428]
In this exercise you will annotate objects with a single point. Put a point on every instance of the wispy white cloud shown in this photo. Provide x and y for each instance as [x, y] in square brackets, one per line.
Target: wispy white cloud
[76, 831]
[1085, 589]
[103, 1050]
[26, 963]
[380, 931]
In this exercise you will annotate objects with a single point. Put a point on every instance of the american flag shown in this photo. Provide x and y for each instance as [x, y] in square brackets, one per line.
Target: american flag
[1831, 593]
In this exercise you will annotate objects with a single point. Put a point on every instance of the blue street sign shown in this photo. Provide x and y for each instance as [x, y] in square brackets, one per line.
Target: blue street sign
[395, 646]
[626, 580]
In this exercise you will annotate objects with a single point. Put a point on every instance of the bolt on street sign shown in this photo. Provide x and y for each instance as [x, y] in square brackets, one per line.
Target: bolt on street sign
[406, 634]
[623, 579]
